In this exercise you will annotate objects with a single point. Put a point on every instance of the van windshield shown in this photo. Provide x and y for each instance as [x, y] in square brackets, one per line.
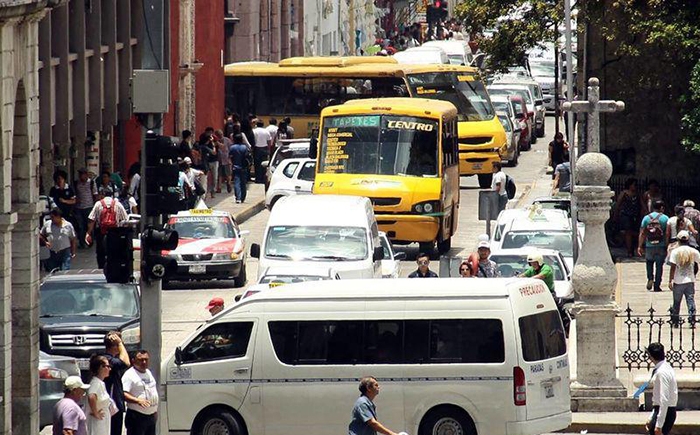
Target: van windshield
[558, 240]
[467, 94]
[316, 243]
[523, 93]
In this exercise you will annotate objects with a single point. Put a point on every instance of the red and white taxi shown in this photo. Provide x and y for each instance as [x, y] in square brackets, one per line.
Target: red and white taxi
[211, 246]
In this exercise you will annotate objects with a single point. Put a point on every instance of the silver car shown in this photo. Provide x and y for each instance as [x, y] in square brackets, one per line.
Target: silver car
[53, 371]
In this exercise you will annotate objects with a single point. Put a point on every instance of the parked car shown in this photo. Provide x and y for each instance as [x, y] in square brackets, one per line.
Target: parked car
[524, 92]
[53, 371]
[391, 264]
[543, 72]
[78, 307]
[292, 177]
[289, 149]
[538, 99]
[422, 55]
[513, 135]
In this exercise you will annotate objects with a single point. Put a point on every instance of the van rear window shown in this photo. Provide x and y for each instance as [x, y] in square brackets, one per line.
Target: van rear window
[542, 336]
[435, 341]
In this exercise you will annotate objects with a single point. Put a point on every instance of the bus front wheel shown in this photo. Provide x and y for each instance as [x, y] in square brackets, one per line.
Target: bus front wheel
[427, 248]
[485, 180]
[444, 245]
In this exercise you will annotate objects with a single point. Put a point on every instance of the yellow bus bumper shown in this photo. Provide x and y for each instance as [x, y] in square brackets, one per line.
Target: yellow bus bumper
[471, 163]
[409, 228]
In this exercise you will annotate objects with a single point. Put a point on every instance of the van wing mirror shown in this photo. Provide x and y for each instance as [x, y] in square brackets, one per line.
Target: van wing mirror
[378, 254]
[255, 250]
[178, 355]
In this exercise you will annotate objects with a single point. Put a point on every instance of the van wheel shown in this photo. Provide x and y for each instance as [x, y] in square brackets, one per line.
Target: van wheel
[240, 280]
[447, 421]
[485, 180]
[218, 421]
[427, 247]
[274, 201]
[516, 155]
[444, 246]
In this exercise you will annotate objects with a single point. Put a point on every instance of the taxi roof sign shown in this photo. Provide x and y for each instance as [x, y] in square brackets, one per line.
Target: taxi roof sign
[201, 211]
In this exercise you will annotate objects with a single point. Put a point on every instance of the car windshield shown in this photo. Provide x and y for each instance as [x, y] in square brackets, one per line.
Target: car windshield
[467, 94]
[380, 144]
[456, 59]
[202, 227]
[321, 243]
[501, 106]
[513, 265]
[542, 69]
[556, 240]
[505, 122]
[523, 93]
[72, 298]
[289, 153]
[289, 279]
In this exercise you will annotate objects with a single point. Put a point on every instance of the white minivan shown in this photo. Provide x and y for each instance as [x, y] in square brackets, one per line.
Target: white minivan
[333, 231]
[453, 355]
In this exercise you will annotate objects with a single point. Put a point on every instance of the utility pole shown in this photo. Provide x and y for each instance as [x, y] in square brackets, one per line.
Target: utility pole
[570, 125]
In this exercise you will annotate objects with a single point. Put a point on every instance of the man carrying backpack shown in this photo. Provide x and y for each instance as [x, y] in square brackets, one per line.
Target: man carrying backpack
[107, 213]
[652, 244]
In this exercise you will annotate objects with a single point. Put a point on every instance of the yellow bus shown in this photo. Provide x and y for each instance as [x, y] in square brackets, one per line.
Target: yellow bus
[401, 153]
[301, 87]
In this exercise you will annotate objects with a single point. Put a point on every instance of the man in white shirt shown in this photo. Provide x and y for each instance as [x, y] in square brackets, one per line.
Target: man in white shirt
[498, 184]
[684, 259]
[665, 395]
[98, 217]
[263, 142]
[141, 395]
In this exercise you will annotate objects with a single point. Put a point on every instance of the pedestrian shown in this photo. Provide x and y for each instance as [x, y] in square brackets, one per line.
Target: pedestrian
[210, 160]
[423, 271]
[196, 180]
[557, 148]
[290, 130]
[118, 359]
[538, 269]
[665, 394]
[653, 193]
[141, 395]
[68, 416]
[63, 194]
[684, 261]
[486, 268]
[216, 305]
[127, 201]
[185, 149]
[135, 182]
[107, 213]
[59, 237]
[99, 402]
[498, 184]
[86, 194]
[692, 213]
[562, 176]
[261, 150]
[467, 269]
[238, 153]
[106, 187]
[628, 212]
[364, 412]
[273, 128]
[282, 134]
[114, 177]
[677, 224]
[652, 244]
[224, 175]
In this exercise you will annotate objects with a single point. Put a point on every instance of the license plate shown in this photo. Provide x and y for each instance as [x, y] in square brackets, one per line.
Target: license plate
[83, 364]
[477, 166]
[548, 391]
[197, 269]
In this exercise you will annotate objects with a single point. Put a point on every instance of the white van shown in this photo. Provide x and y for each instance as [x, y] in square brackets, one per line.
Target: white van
[332, 231]
[458, 51]
[422, 55]
[470, 356]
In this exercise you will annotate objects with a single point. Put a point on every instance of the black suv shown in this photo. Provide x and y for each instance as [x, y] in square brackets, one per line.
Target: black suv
[78, 307]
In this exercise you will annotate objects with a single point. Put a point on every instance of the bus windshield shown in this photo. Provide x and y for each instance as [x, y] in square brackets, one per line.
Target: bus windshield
[468, 96]
[380, 144]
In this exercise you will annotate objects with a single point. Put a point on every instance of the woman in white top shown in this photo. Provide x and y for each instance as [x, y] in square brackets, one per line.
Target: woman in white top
[99, 416]
[684, 262]
[679, 223]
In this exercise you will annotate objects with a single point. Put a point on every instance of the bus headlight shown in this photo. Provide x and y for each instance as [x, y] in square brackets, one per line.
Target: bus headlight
[426, 207]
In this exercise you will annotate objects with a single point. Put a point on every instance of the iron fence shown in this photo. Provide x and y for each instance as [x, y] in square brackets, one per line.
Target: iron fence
[677, 334]
[673, 191]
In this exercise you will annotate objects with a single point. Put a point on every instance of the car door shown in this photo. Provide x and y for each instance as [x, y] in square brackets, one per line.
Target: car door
[304, 178]
[283, 179]
[216, 365]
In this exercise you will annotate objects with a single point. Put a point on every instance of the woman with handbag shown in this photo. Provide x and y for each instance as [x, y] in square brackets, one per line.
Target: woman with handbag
[101, 406]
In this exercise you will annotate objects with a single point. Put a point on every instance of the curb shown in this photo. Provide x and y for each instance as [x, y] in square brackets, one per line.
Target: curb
[627, 428]
[249, 211]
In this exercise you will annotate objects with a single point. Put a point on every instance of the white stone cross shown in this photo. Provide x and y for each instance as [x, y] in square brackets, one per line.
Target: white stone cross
[593, 107]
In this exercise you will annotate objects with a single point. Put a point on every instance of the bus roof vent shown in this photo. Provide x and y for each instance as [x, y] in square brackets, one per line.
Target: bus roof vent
[338, 61]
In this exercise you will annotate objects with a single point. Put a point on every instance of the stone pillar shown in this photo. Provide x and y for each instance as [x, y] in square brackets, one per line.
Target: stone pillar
[7, 220]
[187, 113]
[594, 278]
[286, 21]
[275, 27]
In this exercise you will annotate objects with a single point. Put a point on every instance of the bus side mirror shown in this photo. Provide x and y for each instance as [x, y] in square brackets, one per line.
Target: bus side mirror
[255, 250]
[178, 355]
[378, 254]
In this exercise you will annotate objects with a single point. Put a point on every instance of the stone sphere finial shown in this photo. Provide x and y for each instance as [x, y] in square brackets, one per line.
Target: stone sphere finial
[593, 81]
[593, 169]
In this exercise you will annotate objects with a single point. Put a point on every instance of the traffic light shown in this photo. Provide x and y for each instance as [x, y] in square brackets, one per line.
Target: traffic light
[119, 264]
[161, 175]
[155, 265]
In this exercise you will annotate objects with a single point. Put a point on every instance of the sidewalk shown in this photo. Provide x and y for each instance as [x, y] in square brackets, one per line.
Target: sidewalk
[255, 202]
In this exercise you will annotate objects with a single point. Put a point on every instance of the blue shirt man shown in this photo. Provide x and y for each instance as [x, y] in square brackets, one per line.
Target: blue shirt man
[364, 413]
[652, 244]
[238, 152]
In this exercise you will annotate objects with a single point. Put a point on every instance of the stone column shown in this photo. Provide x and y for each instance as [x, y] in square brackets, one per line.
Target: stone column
[7, 221]
[286, 28]
[187, 113]
[594, 278]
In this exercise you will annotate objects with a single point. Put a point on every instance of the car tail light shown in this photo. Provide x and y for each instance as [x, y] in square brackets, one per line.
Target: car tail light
[519, 390]
[52, 373]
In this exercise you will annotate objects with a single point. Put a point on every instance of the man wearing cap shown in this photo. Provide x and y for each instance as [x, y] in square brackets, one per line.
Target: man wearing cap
[485, 268]
[684, 260]
[216, 305]
[692, 213]
[68, 416]
[86, 194]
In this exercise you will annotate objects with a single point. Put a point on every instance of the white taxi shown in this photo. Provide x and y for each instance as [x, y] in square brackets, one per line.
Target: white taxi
[210, 246]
